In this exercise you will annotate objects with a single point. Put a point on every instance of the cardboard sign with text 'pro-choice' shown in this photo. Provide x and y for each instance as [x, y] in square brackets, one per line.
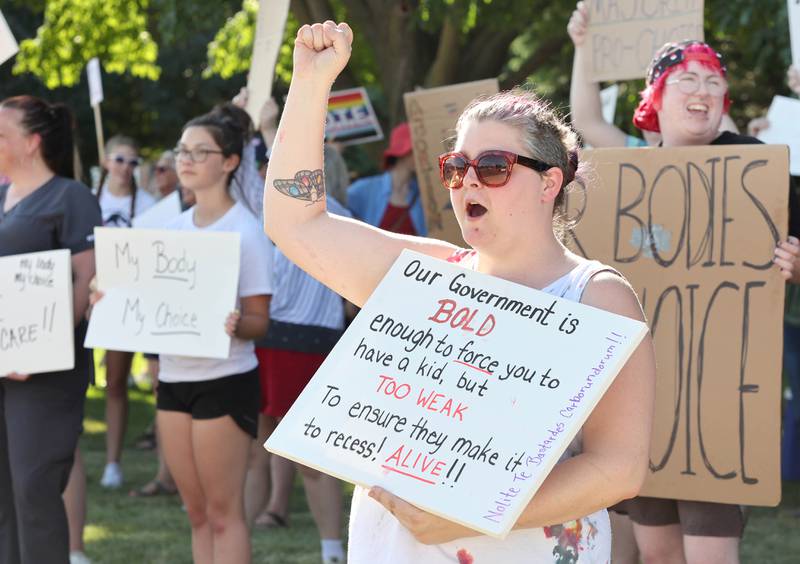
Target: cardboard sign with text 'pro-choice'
[625, 34]
[456, 391]
[36, 329]
[166, 292]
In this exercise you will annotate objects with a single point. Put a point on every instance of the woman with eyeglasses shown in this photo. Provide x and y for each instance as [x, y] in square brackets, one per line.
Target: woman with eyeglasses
[41, 415]
[513, 160]
[685, 99]
[208, 408]
[120, 200]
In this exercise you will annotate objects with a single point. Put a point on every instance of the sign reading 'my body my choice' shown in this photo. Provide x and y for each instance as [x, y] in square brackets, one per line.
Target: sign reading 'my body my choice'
[165, 291]
[459, 397]
[36, 330]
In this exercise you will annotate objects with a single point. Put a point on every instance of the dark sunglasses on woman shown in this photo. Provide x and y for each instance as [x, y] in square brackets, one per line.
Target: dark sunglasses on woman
[493, 168]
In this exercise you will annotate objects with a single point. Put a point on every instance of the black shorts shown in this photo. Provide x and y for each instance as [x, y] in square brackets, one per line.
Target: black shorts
[238, 396]
[696, 518]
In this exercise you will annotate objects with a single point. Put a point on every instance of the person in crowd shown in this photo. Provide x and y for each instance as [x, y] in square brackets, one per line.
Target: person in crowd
[391, 200]
[514, 158]
[165, 176]
[41, 415]
[120, 200]
[790, 448]
[208, 408]
[306, 321]
[584, 97]
[685, 99]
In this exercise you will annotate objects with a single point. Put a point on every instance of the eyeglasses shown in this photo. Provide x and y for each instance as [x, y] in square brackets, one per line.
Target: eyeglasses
[493, 168]
[689, 83]
[161, 169]
[194, 155]
[119, 159]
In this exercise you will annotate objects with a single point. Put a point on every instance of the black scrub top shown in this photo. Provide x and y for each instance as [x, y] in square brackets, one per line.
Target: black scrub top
[60, 214]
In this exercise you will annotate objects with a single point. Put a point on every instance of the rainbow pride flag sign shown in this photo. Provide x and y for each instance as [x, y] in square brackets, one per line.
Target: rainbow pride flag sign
[351, 119]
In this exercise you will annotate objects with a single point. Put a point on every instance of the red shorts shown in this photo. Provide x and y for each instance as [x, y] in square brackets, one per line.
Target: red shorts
[284, 374]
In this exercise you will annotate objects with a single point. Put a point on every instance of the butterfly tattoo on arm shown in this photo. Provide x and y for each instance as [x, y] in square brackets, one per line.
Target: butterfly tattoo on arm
[306, 185]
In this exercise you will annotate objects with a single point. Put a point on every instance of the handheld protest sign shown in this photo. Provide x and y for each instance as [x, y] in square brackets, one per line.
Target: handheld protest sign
[351, 119]
[160, 214]
[8, 45]
[270, 24]
[608, 102]
[461, 396]
[693, 229]
[95, 99]
[793, 7]
[36, 325]
[165, 291]
[432, 116]
[624, 35]
[784, 117]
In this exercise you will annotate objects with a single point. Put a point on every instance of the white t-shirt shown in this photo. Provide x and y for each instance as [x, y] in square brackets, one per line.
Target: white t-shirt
[255, 279]
[117, 209]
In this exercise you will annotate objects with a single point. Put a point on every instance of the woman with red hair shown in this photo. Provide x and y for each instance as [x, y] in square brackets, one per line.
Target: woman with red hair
[685, 99]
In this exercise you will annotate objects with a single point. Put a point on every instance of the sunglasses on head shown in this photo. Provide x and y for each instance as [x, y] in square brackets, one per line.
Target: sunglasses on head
[493, 168]
[122, 160]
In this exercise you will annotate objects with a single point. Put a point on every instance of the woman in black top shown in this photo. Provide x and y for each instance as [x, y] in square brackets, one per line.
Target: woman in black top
[41, 414]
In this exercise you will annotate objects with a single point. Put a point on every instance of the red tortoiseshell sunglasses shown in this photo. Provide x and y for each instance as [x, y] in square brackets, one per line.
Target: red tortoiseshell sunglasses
[493, 168]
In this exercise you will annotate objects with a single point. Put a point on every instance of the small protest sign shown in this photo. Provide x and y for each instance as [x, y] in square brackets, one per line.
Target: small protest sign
[784, 117]
[160, 214]
[95, 81]
[8, 45]
[165, 291]
[461, 396]
[608, 100]
[693, 229]
[432, 116]
[351, 119]
[625, 34]
[793, 7]
[36, 325]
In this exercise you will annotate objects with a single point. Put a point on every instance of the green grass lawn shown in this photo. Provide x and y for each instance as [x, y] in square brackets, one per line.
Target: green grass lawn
[125, 530]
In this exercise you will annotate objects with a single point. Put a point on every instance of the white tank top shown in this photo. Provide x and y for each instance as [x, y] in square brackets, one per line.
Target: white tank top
[376, 537]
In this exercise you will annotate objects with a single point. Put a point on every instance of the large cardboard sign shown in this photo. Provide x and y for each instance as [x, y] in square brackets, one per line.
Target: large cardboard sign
[432, 115]
[165, 291]
[793, 7]
[8, 45]
[693, 229]
[270, 24]
[36, 325]
[351, 119]
[784, 117]
[459, 398]
[625, 34]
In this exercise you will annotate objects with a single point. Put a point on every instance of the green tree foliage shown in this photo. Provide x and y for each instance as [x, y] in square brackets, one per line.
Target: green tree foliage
[232, 47]
[75, 31]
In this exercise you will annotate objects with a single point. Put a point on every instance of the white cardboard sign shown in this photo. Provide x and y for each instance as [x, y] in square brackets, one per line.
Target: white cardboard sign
[95, 82]
[456, 391]
[794, 30]
[36, 325]
[8, 45]
[166, 292]
[270, 24]
[160, 214]
[784, 128]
